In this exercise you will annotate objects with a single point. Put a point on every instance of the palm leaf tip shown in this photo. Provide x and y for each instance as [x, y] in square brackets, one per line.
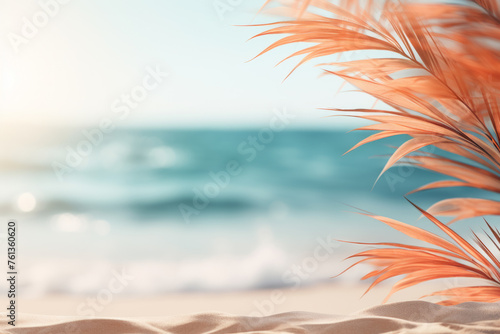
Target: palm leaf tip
[445, 257]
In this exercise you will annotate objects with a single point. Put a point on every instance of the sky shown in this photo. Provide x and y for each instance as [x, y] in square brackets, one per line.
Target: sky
[75, 62]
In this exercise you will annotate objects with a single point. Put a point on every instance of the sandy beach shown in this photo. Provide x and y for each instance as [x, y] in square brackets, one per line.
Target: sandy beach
[331, 308]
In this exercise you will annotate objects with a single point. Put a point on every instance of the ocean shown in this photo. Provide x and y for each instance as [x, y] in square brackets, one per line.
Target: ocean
[199, 210]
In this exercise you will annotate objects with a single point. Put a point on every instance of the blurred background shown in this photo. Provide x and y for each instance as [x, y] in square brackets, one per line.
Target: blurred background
[136, 135]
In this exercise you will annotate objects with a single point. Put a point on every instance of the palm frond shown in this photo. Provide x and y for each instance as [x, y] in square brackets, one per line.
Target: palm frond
[447, 257]
[437, 86]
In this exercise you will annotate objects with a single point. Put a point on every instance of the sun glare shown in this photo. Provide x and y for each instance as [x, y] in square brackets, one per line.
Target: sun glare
[26, 202]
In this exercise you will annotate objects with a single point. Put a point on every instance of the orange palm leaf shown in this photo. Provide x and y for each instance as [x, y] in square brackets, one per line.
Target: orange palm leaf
[453, 257]
[438, 86]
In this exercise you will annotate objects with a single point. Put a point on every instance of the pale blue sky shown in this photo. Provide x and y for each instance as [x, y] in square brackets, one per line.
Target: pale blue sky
[90, 52]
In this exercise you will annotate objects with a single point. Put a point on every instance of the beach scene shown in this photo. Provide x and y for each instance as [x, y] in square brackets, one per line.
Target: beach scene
[192, 167]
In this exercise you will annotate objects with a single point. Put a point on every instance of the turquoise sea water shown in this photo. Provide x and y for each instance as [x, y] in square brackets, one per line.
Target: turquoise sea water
[197, 210]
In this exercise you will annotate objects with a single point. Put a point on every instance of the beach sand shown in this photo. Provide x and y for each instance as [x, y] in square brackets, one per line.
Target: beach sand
[331, 308]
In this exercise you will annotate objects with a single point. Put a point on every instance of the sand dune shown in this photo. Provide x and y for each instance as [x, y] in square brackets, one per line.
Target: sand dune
[403, 317]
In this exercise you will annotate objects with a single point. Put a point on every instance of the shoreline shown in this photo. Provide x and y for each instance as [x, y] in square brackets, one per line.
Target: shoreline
[330, 298]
